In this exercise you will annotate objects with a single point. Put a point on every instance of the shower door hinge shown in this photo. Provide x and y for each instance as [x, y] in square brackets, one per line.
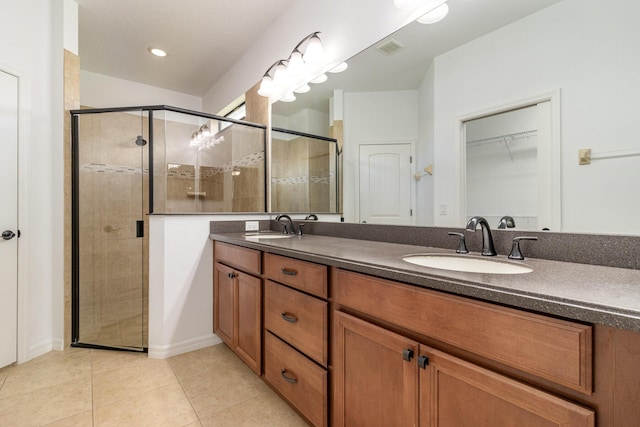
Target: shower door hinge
[140, 228]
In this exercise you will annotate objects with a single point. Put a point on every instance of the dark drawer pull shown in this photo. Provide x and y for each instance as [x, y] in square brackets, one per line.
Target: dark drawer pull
[288, 317]
[288, 272]
[287, 378]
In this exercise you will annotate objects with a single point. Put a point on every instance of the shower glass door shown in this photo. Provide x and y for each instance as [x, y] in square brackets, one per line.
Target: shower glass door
[110, 230]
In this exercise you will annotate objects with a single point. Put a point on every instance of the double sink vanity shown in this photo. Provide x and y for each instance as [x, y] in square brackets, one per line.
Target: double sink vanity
[356, 324]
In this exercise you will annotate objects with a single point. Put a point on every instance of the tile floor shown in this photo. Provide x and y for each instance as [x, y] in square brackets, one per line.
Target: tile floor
[83, 387]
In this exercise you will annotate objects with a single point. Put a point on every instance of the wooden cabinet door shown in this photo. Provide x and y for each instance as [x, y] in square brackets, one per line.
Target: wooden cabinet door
[224, 303]
[373, 383]
[249, 319]
[455, 393]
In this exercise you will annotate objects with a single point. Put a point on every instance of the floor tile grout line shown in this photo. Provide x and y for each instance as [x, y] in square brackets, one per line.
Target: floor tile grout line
[195, 411]
[4, 381]
[93, 412]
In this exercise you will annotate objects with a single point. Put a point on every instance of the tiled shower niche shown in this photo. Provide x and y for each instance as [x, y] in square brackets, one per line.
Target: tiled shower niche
[198, 163]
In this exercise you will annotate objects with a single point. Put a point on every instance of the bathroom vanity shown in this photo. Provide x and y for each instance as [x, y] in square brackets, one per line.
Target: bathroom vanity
[350, 334]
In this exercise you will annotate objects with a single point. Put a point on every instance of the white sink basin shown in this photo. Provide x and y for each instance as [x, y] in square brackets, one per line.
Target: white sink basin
[266, 235]
[466, 264]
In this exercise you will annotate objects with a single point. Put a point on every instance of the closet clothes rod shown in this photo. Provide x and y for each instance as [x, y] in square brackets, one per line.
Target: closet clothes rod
[504, 138]
[585, 156]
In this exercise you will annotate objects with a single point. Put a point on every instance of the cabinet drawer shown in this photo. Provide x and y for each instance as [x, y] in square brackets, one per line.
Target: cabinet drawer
[244, 259]
[299, 380]
[553, 349]
[297, 318]
[306, 276]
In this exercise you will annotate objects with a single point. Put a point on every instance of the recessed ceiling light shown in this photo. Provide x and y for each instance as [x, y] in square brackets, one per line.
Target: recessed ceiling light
[157, 52]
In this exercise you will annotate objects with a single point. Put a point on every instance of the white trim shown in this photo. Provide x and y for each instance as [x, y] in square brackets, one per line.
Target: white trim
[23, 352]
[166, 351]
[555, 191]
[57, 344]
[38, 350]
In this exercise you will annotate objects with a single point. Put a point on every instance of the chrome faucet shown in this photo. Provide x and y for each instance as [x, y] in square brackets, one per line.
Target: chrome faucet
[506, 222]
[487, 240]
[285, 230]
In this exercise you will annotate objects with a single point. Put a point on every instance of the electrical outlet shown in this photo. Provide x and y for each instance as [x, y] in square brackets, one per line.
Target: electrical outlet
[251, 226]
[443, 208]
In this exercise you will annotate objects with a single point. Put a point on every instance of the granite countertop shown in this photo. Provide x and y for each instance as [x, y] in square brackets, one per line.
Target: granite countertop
[589, 293]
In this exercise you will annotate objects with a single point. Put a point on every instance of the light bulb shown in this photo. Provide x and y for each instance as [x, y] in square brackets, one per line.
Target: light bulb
[280, 75]
[296, 64]
[339, 68]
[320, 79]
[314, 51]
[266, 87]
[303, 89]
[157, 52]
[288, 97]
[435, 15]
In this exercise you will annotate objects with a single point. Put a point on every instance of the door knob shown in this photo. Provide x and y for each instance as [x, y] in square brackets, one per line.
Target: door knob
[8, 234]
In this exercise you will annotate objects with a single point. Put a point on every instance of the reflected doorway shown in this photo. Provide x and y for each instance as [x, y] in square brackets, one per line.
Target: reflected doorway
[510, 169]
[385, 183]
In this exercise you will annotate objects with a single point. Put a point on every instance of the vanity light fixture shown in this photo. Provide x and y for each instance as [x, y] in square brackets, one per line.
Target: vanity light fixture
[436, 15]
[203, 138]
[157, 52]
[438, 9]
[306, 64]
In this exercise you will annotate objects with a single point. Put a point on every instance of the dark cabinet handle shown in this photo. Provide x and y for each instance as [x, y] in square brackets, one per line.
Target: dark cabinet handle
[288, 272]
[231, 275]
[288, 317]
[423, 361]
[287, 378]
[407, 354]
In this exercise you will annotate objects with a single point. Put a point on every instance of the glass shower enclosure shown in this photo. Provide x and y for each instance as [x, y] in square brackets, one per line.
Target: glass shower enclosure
[129, 163]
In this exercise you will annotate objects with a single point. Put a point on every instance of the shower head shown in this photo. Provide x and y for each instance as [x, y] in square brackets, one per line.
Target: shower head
[140, 141]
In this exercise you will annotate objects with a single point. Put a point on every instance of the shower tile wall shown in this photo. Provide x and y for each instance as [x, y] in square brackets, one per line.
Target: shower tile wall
[301, 175]
[228, 177]
[113, 262]
[231, 174]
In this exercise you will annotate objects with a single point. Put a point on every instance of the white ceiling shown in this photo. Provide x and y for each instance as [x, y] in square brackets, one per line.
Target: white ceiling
[203, 38]
[371, 70]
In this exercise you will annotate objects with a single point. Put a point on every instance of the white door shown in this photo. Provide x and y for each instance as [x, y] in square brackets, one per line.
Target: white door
[8, 218]
[385, 184]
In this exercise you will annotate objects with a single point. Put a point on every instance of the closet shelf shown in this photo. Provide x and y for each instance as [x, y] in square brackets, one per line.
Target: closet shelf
[504, 138]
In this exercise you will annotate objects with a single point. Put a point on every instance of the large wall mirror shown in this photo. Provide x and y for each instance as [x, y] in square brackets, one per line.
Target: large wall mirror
[409, 103]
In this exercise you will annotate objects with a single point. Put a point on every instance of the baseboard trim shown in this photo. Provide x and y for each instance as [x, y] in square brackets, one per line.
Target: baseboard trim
[39, 349]
[166, 351]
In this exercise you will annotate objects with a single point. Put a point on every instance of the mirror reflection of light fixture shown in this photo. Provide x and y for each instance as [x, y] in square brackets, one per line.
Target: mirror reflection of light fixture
[203, 138]
[437, 9]
[294, 74]
[435, 15]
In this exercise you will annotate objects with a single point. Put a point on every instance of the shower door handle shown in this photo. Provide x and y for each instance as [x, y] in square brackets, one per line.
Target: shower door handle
[139, 228]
